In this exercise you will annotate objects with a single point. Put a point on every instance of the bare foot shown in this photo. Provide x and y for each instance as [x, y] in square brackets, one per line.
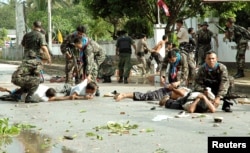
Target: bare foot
[118, 97]
[163, 101]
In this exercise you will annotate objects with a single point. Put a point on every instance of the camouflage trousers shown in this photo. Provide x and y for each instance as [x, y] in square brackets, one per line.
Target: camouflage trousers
[202, 49]
[124, 64]
[240, 55]
[28, 84]
[93, 71]
[72, 71]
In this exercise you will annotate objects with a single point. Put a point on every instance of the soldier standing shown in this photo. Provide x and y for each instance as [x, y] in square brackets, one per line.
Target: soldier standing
[203, 41]
[240, 36]
[27, 76]
[94, 57]
[73, 64]
[34, 41]
[124, 51]
[214, 75]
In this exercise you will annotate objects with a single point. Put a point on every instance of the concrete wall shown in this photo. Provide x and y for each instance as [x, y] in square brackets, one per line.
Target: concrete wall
[226, 50]
[16, 53]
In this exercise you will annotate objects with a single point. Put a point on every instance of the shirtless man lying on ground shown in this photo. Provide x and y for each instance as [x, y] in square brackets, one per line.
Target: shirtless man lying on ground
[160, 94]
[197, 101]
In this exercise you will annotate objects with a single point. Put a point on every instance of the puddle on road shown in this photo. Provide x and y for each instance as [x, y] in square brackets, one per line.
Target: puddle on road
[30, 142]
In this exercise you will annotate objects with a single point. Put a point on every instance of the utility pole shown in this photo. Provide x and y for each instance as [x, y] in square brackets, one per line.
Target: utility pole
[49, 26]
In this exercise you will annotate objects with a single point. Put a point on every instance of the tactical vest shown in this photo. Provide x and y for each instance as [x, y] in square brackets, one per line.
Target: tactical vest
[204, 37]
[213, 79]
[124, 44]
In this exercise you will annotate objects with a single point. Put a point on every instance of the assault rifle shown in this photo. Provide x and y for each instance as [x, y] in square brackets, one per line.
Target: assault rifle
[231, 97]
[220, 28]
[69, 49]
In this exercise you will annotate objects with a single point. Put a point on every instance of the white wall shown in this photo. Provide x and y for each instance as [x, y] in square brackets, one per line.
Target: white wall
[227, 50]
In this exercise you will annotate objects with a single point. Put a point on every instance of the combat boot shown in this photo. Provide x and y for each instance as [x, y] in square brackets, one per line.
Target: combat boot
[30, 99]
[97, 93]
[106, 79]
[125, 80]
[240, 74]
[120, 80]
[226, 106]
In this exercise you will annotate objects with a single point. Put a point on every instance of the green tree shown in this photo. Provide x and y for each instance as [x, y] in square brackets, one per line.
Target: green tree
[7, 15]
[3, 37]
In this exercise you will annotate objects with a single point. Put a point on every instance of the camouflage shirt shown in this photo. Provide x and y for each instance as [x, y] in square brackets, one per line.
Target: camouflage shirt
[204, 36]
[182, 68]
[33, 41]
[68, 43]
[94, 54]
[238, 33]
[217, 79]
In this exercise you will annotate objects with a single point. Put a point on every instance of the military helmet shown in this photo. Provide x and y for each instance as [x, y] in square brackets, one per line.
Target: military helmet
[204, 24]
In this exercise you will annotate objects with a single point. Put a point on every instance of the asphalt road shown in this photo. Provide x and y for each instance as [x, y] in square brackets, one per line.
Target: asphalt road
[77, 118]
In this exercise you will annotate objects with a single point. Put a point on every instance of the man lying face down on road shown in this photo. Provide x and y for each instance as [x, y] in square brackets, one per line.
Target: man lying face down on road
[167, 96]
[84, 90]
[160, 94]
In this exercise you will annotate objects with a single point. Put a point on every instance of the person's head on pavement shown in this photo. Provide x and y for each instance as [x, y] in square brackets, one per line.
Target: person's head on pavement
[91, 89]
[51, 92]
[211, 59]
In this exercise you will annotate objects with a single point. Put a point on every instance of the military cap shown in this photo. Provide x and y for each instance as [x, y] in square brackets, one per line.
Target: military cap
[204, 24]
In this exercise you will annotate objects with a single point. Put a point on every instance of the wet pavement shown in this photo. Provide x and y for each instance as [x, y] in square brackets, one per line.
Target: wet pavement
[84, 120]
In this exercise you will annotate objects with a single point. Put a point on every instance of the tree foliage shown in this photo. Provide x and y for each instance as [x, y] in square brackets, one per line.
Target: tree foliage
[7, 15]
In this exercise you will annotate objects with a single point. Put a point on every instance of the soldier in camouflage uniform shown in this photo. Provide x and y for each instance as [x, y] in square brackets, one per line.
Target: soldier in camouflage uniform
[178, 71]
[34, 41]
[203, 41]
[214, 75]
[241, 37]
[94, 57]
[72, 57]
[124, 51]
[106, 69]
[27, 76]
